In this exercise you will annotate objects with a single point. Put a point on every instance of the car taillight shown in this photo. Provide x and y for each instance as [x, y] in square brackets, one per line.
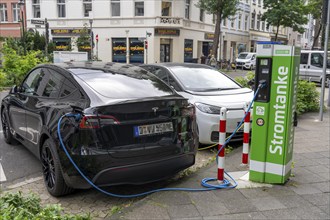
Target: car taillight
[92, 121]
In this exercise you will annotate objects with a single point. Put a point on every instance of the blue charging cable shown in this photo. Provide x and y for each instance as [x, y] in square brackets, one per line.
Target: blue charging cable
[207, 186]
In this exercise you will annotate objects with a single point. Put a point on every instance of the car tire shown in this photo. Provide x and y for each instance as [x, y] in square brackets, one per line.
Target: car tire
[8, 136]
[51, 170]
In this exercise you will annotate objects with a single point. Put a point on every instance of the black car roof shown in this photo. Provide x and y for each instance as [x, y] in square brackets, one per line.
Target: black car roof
[105, 66]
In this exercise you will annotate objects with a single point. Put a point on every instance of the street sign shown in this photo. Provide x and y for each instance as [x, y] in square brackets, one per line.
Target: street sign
[40, 22]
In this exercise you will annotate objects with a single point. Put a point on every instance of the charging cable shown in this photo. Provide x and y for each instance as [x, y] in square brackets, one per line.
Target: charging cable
[227, 184]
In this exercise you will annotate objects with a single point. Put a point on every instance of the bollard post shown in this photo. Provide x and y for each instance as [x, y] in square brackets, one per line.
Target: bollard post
[222, 139]
[246, 135]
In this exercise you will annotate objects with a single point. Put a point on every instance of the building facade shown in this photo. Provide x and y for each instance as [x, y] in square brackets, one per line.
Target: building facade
[11, 13]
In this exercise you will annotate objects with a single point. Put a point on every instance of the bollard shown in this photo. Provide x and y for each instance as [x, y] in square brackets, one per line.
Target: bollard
[246, 135]
[222, 139]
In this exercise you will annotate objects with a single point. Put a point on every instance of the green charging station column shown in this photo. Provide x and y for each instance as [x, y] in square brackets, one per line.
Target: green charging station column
[273, 113]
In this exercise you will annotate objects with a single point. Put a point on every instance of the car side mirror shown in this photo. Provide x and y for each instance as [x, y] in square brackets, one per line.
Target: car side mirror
[14, 89]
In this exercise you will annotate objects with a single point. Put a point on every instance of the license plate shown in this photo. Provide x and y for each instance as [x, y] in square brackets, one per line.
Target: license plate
[153, 129]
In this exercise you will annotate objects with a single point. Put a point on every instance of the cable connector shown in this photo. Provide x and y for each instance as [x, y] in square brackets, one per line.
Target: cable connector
[76, 116]
[262, 83]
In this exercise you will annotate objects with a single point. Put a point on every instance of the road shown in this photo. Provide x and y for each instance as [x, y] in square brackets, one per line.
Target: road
[16, 162]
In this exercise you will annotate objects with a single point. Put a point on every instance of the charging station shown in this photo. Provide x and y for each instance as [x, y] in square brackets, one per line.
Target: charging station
[277, 69]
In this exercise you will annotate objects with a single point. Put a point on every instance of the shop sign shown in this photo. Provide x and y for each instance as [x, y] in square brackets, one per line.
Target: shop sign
[167, 32]
[119, 48]
[85, 47]
[136, 48]
[209, 36]
[68, 31]
[62, 47]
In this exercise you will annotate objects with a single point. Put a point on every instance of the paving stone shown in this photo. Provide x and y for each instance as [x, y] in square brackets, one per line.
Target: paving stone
[323, 186]
[321, 199]
[305, 163]
[148, 211]
[318, 169]
[324, 175]
[279, 191]
[240, 205]
[267, 203]
[280, 214]
[171, 198]
[305, 189]
[183, 211]
[191, 218]
[228, 194]
[248, 215]
[293, 201]
[325, 209]
[309, 213]
[207, 203]
[255, 193]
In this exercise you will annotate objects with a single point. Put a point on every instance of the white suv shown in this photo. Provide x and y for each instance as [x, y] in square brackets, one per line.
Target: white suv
[246, 60]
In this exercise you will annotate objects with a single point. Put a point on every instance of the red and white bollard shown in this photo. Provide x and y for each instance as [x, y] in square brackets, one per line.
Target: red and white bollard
[222, 139]
[246, 136]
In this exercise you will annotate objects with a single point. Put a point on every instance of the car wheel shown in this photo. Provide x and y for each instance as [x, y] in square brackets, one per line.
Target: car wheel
[9, 138]
[52, 172]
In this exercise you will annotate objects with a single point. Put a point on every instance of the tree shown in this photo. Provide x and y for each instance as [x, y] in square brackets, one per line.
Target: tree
[222, 9]
[84, 39]
[315, 7]
[286, 13]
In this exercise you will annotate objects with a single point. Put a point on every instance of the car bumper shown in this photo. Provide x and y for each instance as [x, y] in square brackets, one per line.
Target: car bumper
[208, 125]
[134, 174]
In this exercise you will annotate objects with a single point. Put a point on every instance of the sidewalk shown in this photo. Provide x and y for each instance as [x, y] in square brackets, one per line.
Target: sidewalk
[305, 196]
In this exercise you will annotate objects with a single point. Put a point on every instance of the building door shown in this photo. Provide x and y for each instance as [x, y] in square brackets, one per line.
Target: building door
[165, 53]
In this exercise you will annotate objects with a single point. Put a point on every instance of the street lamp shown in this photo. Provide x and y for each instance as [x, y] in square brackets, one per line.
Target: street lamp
[21, 4]
[91, 36]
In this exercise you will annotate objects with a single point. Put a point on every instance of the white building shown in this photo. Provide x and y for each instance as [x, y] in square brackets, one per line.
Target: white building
[179, 30]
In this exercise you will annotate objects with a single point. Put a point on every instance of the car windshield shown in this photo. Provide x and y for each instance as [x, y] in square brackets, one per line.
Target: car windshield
[121, 85]
[203, 79]
[244, 56]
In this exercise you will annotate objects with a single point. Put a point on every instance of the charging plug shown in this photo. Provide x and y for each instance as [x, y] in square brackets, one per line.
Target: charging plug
[263, 83]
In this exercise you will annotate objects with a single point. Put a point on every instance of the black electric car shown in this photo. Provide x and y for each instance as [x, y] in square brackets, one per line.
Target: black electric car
[132, 127]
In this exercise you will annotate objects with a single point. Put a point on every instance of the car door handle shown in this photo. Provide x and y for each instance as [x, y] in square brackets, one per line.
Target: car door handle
[308, 67]
[304, 66]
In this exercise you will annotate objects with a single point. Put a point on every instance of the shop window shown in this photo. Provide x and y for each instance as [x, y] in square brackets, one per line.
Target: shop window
[136, 50]
[61, 13]
[119, 50]
[36, 8]
[62, 44]
[3, 12]
[16, 12]
[115, 8]
[188, 50]
[139, 8]
[166, 8]
[87, 7]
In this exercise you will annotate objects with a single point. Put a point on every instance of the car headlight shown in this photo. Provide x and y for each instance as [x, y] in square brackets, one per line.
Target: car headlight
[207, 108]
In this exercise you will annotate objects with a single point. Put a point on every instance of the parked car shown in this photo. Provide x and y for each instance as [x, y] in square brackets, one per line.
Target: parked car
[246, 60]
[209, 90]
[134, 128]
[311, 66]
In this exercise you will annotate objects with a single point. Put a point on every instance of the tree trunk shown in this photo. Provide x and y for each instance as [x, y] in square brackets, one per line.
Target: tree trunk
[316, 37]
[277, 29]
[216, 35]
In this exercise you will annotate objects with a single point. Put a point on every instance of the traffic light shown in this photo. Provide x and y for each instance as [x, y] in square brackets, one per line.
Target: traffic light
[146, 44]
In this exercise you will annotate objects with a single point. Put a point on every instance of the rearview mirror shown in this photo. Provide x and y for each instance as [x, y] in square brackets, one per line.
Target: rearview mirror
[13, 90]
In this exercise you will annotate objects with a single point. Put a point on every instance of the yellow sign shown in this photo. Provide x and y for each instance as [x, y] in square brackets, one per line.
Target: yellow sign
[119, 48]
[136, 48]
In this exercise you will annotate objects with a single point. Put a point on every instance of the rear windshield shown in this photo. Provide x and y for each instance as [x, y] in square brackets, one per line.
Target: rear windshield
[133, 84]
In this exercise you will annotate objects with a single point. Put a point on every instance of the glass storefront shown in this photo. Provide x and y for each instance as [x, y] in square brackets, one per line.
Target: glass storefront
[136, 50]
[188, 51]
[62, 44]
[119, 50]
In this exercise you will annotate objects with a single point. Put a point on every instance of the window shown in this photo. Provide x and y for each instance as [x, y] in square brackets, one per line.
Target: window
[166, 8]
[3, 12]
[115, 8]
[139, 8]
[36, 8]
[201, 15]
[224, 22]
[67, 88]
[61, 8]
[304, 58]
[317, 59]
[87, 7]
[214, 18]
[53, 85]
[188, 50]
[259, 2]
[239, 21]
[187, 9]
[33, 81]
[263, 25]
[16, 12]
[246, 22]
[232, 23]
[253, 20]
[258, 21]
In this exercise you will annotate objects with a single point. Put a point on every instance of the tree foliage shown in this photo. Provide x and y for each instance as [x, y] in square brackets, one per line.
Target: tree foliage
[16, 66]
[222, 9]
[286, 13]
